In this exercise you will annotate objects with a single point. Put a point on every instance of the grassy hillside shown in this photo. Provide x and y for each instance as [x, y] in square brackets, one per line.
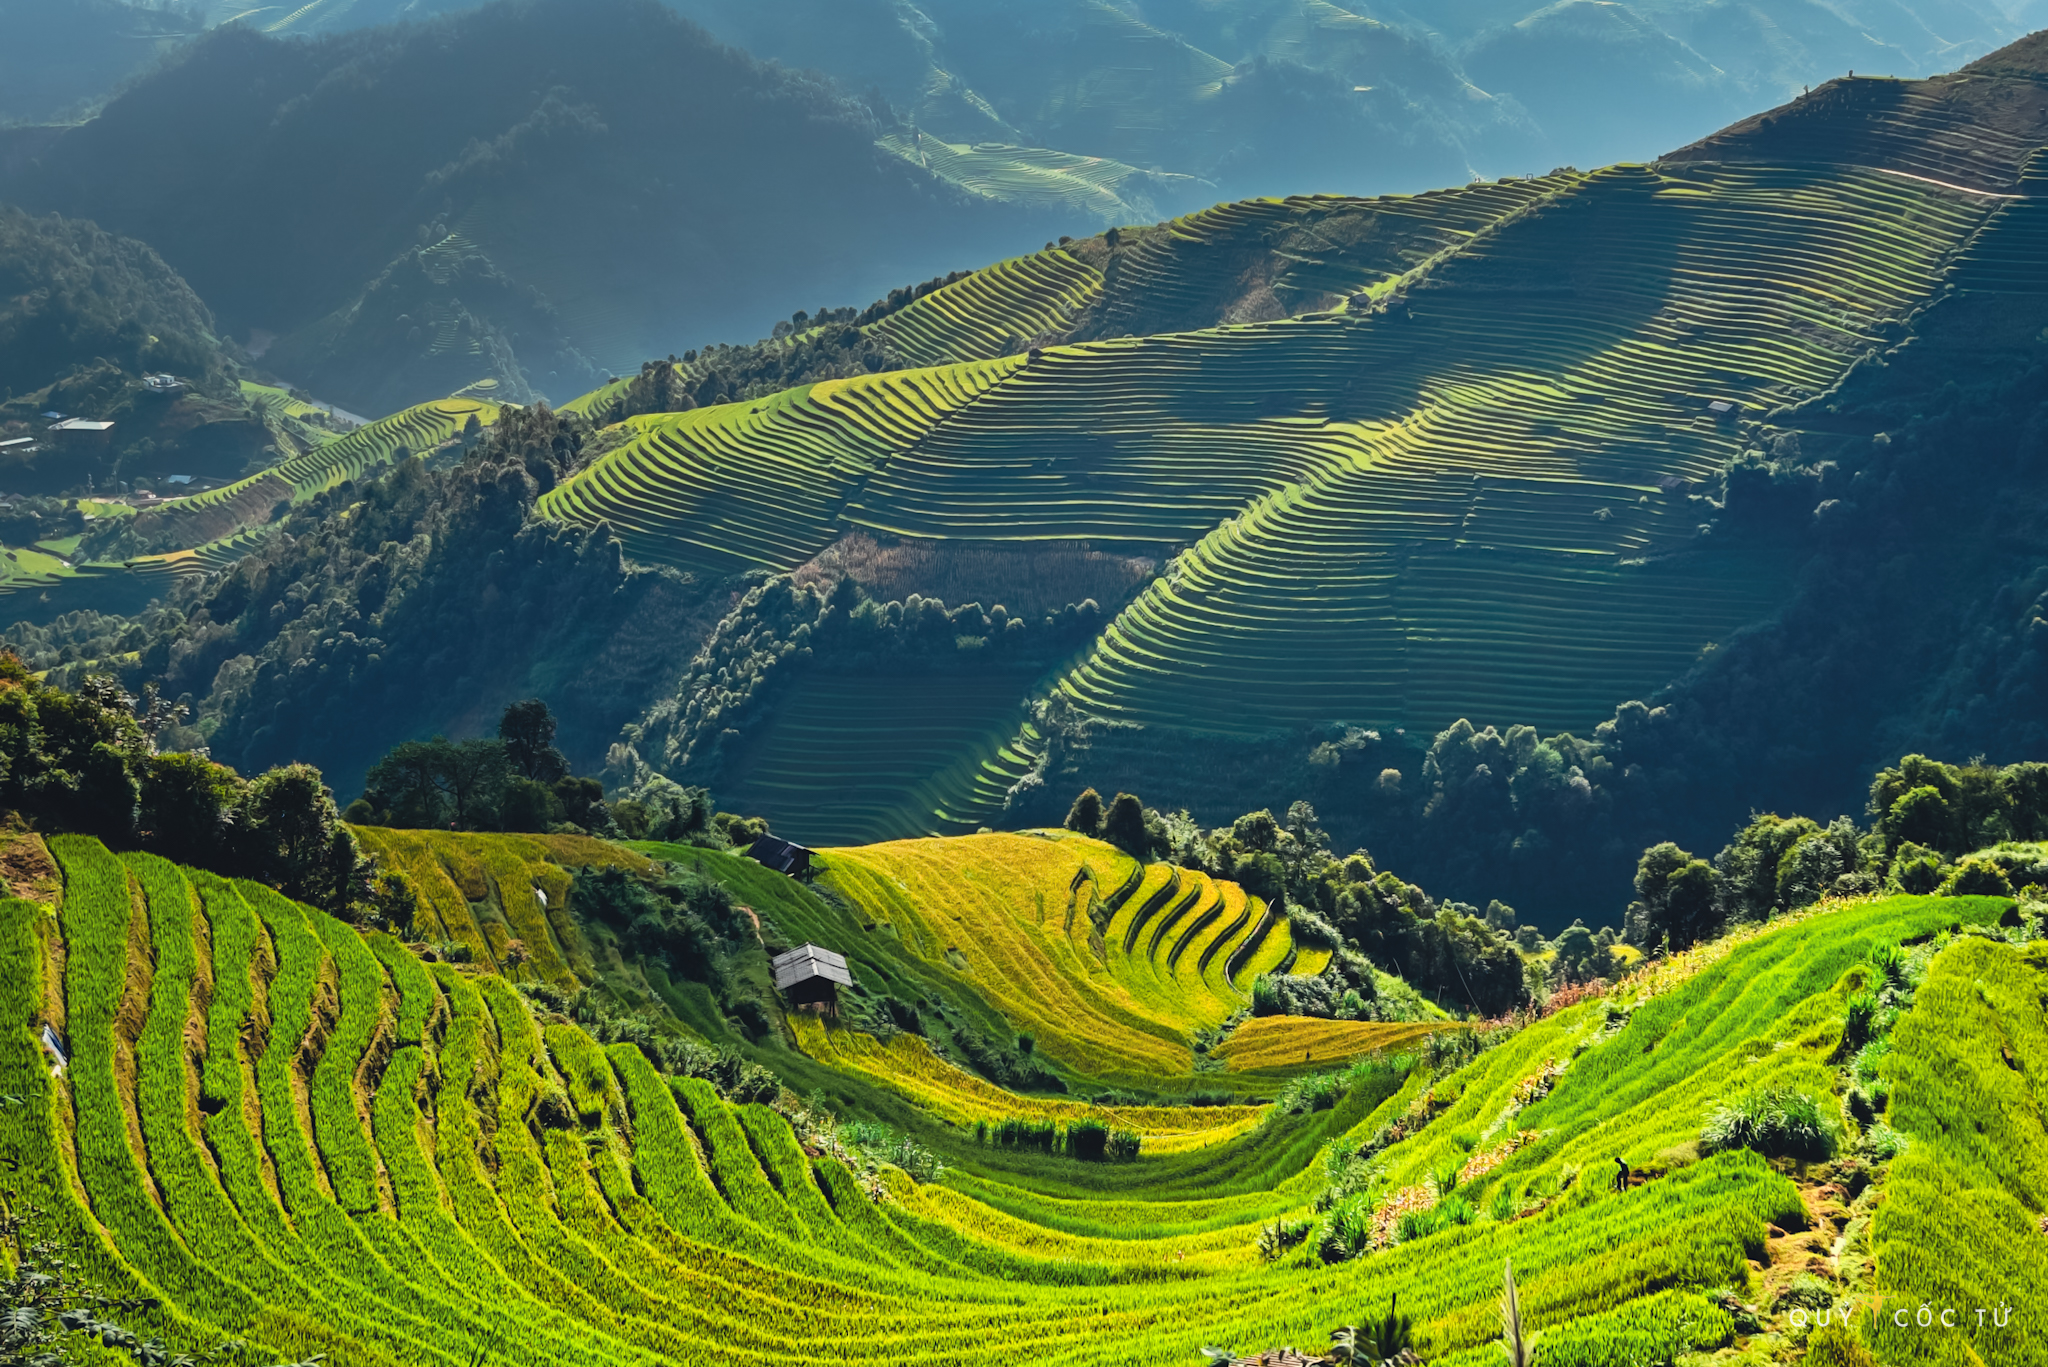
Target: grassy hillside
[273, 1126]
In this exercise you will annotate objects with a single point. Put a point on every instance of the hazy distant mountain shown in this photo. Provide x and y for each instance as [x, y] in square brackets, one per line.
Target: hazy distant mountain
[1276, 97]
[1131, 111]
[534, 192]
[57, 56]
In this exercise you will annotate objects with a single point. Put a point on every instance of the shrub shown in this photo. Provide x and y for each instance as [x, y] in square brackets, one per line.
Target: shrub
[1859, 1013]
[879, 1144]
[1087, 1140]
[1891, 964]
[1282, 1235]
[1025, 1132]
[1776, 1122]
[1347, 1231]
[1917, 870]
[1315, 1092]
[1418, 1224]
[1976, 876]
[1835, 1347]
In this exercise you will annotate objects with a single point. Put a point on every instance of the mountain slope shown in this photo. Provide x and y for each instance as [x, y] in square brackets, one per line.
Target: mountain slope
[59, 56]
[409, 210]
[1480, 474]
[1267, 97]
[1500, 463]
[85, 316]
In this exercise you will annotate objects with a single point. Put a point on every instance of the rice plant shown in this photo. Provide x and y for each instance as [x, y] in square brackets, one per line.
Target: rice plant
[1775, 1122]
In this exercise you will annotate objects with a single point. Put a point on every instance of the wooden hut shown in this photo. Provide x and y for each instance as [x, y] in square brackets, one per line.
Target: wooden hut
[781, 856]
[809, 976]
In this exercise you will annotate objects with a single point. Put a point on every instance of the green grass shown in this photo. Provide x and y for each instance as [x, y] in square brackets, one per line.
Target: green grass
[1962, 1225]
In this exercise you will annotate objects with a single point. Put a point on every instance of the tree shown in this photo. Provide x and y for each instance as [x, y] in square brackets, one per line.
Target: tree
[528, 731]
[473, 774]
[1677, 893]
[582, 801]
[1124, 827]
[1257, 830]
[188, 805]
[529, 806]
[290, 836]
[1085, 815]
[402, 788]
[1574, 942]
[1923, 816]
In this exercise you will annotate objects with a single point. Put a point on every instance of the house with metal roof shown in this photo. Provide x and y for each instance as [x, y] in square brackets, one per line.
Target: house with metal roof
[811, 976]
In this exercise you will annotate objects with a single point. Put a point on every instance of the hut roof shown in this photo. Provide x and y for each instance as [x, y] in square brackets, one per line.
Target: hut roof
[783, 856]
[806, 962]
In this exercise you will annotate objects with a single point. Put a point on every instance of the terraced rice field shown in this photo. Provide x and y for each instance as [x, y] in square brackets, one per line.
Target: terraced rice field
[712, 489]
[37, 587]
[485, 891]
[218, 527]
[275, 1128]
[415, 430]
[922, 734]
[1295, 1043]
[1035, 175]
[281, 398]
[1113, 965]
[993, 312]
[907, 1065]
[1478, 502]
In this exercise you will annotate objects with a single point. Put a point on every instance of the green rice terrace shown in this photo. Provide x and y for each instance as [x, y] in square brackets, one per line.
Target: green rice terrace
[1401, 460]
[249, 1122]
[212, 530]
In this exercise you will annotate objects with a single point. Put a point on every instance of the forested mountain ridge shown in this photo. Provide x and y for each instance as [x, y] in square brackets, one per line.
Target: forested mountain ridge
[471, 147]
[85, 315]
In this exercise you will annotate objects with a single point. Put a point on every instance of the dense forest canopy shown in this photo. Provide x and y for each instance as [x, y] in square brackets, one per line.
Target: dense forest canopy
[71, 294]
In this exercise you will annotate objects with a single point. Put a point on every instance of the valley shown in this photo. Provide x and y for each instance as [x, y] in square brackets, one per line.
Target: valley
[1305, 745]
